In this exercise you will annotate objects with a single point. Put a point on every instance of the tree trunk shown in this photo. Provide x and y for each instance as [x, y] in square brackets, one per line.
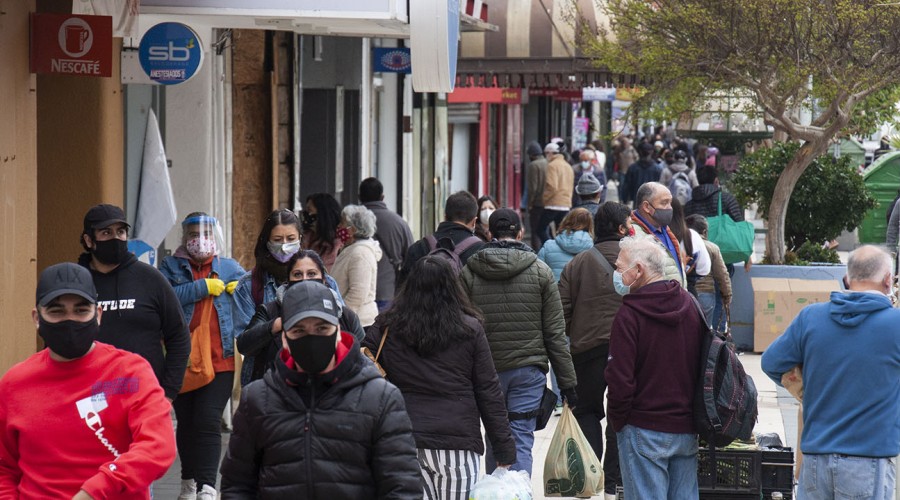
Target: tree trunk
[775, 248]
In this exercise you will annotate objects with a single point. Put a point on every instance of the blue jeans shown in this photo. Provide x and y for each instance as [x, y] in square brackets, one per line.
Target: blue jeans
[522, 388]
[827, 477]
[658, 465]
[708, 305]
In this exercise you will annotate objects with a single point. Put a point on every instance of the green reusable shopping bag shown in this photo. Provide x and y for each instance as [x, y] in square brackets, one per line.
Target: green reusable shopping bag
[735, 239]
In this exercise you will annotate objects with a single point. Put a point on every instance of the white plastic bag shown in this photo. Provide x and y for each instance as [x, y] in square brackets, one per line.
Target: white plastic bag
[571, 468]
[503, 484]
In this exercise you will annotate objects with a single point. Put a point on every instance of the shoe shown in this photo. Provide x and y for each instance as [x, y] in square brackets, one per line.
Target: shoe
[609, 496]
[558, 410]
[188, 490]
[207, 493]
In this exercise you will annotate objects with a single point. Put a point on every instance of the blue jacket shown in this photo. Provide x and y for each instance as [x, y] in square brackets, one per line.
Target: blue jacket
[177, 270]
[556, 253]
[850, 351]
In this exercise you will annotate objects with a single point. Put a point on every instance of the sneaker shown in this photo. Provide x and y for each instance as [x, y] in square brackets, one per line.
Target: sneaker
[558, 410]
[207, 493]
[188, 490]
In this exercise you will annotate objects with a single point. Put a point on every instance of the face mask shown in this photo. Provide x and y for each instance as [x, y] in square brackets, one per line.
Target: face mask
[201, 248]
[485, 215]
[619, 284]
[70, 339]
[312, 353]
[282, 252]
[110, 252]
[343, 234]
[663, 216]
[630, 231]
[585, 165]
[309, 221]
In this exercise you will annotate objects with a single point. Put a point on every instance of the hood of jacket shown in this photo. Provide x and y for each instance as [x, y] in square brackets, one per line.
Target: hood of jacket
[679, 166]
[851, 309]
[704, 191]
[371, 244]
[501, 260]
[646, 163]
[574, 242]
[661, 300]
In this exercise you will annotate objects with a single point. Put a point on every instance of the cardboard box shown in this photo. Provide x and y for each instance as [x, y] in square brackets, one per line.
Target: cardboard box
[777, 301]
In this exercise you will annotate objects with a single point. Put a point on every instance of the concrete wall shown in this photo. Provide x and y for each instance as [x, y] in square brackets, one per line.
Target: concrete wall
[18, 186]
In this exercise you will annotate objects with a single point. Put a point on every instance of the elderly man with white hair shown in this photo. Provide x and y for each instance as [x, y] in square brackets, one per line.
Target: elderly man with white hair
[849, 350]
[653, 368]
[356, 266]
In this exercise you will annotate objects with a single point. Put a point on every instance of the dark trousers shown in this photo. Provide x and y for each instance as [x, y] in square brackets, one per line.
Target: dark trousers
[589, 370]
[199, 434]
[547, 217]
[534, 224]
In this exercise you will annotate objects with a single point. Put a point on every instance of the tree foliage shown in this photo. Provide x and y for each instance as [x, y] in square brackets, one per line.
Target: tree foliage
[836, 60]
[829, 198]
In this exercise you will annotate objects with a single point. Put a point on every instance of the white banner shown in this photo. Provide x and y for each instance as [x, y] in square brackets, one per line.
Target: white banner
[156, 212]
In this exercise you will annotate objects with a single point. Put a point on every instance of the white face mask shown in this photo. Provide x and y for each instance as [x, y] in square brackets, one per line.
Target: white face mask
[485, 215]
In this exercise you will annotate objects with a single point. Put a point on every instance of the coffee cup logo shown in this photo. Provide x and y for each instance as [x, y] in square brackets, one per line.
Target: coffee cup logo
[75, 37]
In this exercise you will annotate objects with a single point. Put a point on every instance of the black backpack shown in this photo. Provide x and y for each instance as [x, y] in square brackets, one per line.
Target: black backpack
[725, 405]
[446, 249]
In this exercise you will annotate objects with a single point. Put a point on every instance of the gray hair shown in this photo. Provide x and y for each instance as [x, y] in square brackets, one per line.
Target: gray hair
[868, 263]
[647, 192]
[361, 218]
[646, 251]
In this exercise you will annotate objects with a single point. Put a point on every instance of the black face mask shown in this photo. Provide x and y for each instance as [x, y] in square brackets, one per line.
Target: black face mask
[70, 339]
[114, 251]
[309, 221]
[312, 353]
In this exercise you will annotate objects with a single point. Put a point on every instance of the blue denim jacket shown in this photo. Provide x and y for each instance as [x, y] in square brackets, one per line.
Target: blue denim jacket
[178, 271]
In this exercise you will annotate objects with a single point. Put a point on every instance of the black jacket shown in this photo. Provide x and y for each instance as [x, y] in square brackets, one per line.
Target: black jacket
[344, 436]
[141, 314]
[258, 341]
[453, 230]
[705, 202]
[449, 393]
[640, 172]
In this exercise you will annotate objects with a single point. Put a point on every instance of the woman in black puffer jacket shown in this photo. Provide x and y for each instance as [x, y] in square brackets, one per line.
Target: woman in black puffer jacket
[435, 350]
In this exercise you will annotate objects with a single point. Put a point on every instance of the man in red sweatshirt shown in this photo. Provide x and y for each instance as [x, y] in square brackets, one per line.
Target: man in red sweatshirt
[653, 368]
[80, 419]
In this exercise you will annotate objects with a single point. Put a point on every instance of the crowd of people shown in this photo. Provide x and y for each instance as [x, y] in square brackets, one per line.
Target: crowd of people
[368, 362]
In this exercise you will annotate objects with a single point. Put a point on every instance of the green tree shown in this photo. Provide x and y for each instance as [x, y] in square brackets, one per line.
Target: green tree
[830, 196]
[836, 60]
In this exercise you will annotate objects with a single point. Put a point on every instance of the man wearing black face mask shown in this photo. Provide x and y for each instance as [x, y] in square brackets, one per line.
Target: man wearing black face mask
[325, 407]
[140, 305]
[651, 217]
[96, 410]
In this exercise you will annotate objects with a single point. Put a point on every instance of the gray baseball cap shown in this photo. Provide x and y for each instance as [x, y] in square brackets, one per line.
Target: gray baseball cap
[308, 299]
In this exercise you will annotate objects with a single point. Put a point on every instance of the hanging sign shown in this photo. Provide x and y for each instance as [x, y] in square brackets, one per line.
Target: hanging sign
[434, 39]
[63, 44]
[391, 60]
[170, 53]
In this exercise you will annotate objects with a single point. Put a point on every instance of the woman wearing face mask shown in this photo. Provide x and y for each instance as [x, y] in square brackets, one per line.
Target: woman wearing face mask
[203, 279]
[356, 267]
[486, 206]
[589, 164]
[277, 242]
[321, 227]
[590, 302]
[261, 340]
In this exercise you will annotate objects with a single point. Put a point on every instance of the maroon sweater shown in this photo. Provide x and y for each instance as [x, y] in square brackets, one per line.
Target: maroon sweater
[654, 359]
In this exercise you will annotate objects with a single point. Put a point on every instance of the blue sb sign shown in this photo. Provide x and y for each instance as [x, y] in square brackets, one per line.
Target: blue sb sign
[170, 53]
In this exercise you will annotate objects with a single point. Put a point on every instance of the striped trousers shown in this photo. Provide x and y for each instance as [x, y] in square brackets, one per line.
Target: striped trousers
[448, 474]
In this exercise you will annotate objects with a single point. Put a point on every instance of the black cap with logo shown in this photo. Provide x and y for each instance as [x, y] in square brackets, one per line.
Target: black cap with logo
[63, 279]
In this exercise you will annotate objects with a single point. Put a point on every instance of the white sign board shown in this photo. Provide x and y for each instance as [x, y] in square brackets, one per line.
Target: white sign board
[434, 43]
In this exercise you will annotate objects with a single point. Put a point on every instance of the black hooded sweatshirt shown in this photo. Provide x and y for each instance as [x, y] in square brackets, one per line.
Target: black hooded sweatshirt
[141, 314]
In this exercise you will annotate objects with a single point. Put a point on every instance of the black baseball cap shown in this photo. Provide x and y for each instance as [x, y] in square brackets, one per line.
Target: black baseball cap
[308, 299]
[504, 219]
[63, 279]
[103, 215]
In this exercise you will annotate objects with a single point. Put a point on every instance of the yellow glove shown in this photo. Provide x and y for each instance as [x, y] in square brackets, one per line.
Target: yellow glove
[231, 286]
[215, 287]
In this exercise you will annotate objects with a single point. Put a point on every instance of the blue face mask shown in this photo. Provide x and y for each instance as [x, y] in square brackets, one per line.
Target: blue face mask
[620, 286]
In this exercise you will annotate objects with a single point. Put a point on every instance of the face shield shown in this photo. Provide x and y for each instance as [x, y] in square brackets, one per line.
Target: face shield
[202, 237]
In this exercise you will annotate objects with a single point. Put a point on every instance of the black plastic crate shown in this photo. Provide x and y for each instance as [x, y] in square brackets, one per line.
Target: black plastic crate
[778, 471]
[735, 472]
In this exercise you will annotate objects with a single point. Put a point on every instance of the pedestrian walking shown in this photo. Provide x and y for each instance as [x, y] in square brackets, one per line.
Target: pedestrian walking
[434, 349]
[535, 178]
[557, 190]
[523, 333]
[393, 235]
[590, 192]
[323, 423]
[590, 302]
[261, 340]
[645, 170]
[356, 266]
[849, 352]
[80, 419]
[652, 372]
[204, 282]
[575, 235]
[486, 206]
[144, 313]
[321, 227]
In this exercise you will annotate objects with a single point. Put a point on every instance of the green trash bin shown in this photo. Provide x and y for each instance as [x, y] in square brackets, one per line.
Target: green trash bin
[882, 180]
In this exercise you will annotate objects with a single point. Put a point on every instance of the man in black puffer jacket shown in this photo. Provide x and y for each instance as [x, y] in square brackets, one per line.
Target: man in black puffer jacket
[705, 197]
[323, 424]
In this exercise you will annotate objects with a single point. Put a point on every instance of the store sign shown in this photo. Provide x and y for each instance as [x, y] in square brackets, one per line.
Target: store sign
[557, 94]
[391, 60]
[63, 44]
[434, 41]
[602, 94]
[170, 53]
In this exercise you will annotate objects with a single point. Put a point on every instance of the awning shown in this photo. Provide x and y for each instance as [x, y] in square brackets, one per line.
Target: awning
[534, 47]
